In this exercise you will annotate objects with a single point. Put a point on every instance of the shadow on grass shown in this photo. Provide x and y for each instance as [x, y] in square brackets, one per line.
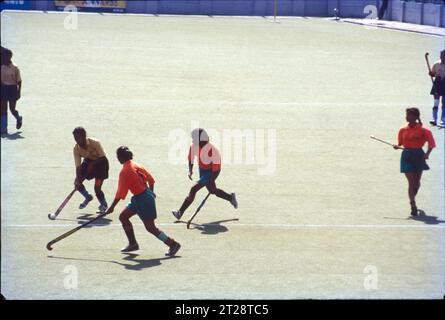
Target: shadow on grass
[138, 264]
[88, 217]
[14, 136]
[422, 216]
[210, 228]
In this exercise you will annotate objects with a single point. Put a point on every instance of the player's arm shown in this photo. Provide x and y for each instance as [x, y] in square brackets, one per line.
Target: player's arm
[431, 143]
[433, 71]
[77, 163]
[190, 162]
[19, 84]
[121, 193]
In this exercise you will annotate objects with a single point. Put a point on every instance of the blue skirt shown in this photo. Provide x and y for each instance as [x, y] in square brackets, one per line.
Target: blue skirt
[144, 205]
[412, 160]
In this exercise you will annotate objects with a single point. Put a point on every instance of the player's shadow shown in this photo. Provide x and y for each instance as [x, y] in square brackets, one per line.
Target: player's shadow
[211, 228]
[139, 264]
[88, 217]
[422, 216]
[13, 136]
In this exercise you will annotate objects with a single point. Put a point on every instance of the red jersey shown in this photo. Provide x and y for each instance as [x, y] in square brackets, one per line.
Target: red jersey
[415, 137]
[133, 177]
[208, 156]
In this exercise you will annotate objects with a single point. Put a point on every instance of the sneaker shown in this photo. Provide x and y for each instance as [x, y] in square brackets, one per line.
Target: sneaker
[233, 201]
[85, 202]
[19, 123]
[177, 214]
[442, 122]
[130, 248]
[433, 122]
[173, 249]
[102, 208]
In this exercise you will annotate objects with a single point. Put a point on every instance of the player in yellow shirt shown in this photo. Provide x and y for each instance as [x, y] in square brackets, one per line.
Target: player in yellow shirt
[11, 86]
[438, 90]
[95, 165]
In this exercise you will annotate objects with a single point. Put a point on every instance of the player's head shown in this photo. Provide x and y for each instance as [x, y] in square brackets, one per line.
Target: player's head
[200, 137]
[6, 56]
[124, 154]
[413, 115]
[80, 136]
[442, 56]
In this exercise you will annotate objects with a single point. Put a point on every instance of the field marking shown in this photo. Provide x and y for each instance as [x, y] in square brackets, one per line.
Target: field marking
[253, 225]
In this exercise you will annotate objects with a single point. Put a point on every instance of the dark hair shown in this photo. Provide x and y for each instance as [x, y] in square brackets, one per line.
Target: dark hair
[124, 153]
[79, 131]
[415, 112]
[200, 135]
[442, 52]
[6, 56]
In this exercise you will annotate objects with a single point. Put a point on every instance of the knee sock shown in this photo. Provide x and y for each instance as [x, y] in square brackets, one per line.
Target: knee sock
[84, 192]
[164, 238]
[4, 122]
[101, 197]
[435, 111]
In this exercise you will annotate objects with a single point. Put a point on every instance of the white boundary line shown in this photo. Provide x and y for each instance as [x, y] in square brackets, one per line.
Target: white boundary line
[253, 225]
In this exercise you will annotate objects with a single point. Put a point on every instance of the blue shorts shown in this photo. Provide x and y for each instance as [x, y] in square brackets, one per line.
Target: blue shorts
[206, 175]
[144, 205]
[412, 160]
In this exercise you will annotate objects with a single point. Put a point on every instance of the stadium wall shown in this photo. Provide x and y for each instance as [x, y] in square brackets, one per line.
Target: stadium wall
[398, 10]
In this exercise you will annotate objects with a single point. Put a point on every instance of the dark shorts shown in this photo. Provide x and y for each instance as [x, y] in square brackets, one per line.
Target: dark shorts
[438, 87]
[144, 205]
[412, 160]
[99, 170]
[206, 175]
[9, 92]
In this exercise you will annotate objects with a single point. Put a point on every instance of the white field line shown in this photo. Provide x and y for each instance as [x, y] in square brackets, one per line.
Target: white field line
[253, 225]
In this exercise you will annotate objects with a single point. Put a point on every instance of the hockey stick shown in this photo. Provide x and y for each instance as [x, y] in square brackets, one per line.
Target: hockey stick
[386, 142]
[54, 215]
[197, 210]
[67, 234]
[428, 64]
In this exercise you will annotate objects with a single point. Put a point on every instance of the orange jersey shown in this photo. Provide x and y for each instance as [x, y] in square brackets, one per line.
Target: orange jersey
[415, 137]
[133, 177]
[208, 156]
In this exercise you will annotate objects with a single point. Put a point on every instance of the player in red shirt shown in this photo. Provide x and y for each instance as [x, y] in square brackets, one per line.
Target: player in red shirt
[133, 177]
[412, 163]
[209, 161]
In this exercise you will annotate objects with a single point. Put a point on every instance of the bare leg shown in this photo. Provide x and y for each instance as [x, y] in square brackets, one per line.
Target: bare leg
[124, 218]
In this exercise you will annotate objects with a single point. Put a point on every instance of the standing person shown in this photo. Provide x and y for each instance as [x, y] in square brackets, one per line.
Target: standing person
[438, 89]
[209, 160]
[133, 177]
[11, 86]
[95, 165]
[383, 9]
[412, 163]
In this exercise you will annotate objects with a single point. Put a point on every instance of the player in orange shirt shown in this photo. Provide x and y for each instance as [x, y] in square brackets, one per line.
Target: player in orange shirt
[134, 178]
[209, 161]
[412, 163]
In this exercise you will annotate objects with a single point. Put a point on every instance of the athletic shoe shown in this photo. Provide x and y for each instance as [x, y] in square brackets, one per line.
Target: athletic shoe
[102, 208]
[19, 123]
[173, 249]
[177, 214]
[85, 202]
[130, 248]
[442, 122]
[233, 201]
[433, 122]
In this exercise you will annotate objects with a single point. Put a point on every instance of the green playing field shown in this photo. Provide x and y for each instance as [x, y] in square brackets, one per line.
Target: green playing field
[325, 213]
